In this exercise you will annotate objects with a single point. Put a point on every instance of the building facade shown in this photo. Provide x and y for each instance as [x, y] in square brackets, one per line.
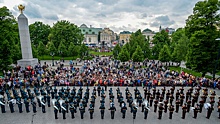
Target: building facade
[107, 35]
[170, 31]
[124, 37]
[91, 35]
[148, 34]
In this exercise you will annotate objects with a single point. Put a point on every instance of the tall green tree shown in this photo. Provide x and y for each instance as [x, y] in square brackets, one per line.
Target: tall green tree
[72, 50]
[164, 55]
[159, 40]
[116, 51]
[66, 31]
[52, 48]
[62, 50]
[41, 49]
[9, 37]
[84, 51]
[138, 55]
[124, 55]
[201, 30]
[39, 32]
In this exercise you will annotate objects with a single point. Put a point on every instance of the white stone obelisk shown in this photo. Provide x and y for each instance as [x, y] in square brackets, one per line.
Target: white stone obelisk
[27, 57]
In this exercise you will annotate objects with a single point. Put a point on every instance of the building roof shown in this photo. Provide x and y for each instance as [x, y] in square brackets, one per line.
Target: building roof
[147, 30]
[125, 32]
[83, 26]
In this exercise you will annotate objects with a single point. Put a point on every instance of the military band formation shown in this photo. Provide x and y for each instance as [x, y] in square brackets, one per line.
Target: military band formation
[65, 100]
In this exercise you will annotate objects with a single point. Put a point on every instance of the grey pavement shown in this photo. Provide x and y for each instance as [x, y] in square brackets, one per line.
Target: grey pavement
[48, 117]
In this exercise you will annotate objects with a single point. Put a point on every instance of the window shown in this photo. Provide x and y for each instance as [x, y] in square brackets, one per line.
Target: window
[90, 39]
[93, 32]
[90, 30]
[83, 30]
[86, 32]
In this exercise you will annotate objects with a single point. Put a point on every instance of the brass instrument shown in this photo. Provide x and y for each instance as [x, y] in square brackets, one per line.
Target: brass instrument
[61, 102]
[146, 104]
[40, 98]
[53, 102]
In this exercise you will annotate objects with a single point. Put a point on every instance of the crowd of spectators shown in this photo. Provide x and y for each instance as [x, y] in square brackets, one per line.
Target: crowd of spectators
[102, 71]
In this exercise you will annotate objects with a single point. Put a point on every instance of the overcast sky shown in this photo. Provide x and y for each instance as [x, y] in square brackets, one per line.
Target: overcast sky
[118, 15]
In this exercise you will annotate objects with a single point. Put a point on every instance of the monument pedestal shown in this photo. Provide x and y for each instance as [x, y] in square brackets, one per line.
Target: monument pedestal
[27, 62]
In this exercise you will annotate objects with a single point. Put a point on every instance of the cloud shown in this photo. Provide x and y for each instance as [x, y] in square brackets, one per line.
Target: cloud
[163, 20]
[119, 15]
[1, 1]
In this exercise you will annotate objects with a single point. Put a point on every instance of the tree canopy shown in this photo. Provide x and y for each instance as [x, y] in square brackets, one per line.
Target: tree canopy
[202, 32]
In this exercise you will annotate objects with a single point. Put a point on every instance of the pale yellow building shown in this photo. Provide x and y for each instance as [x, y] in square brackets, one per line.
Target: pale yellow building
[124, 37]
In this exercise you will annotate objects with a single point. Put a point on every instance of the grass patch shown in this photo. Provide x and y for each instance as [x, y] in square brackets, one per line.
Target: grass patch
[47, 57]
[194, 73]
[101, 53]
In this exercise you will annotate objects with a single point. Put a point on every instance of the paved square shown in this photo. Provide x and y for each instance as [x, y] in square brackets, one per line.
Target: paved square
[48, 117]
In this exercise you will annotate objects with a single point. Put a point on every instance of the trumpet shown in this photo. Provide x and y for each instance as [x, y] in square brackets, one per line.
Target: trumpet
[135, 104]
[146, 105]
[1, 103]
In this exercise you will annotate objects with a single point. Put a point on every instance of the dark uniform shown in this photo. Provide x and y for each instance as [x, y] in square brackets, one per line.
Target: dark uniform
[196, 110]
[184, 108]
[134, 110]
[2, 103]
[26, 102]
[188, 105]
[82, 110]
[171, 109]
[160, 111]
[165, 106]
[123, 110]
[112, 109]
[56, 109]
[19, 104]
[72, 110]
[155, 105]
[177, 105]
[146, 109]
[91, 111]
[43, 106]
[102, 110]
[209, 112]
[11, 106]
[64, 109]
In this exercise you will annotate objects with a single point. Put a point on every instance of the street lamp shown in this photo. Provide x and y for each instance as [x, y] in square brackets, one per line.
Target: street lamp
[52, 54]
[216, 63]
[61, 53]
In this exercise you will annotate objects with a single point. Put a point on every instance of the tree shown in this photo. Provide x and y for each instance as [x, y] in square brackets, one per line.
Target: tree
[83, 50]
[159, 40]
[138, 55]
[66, 31]
[39, 32]
[180, 49]
[9, 37]
[6, 55]
[72, 50]
[164, 55]
[62, 50]
[201, 30]
[41, 49]
[16, 55]
[51, 48]
[116, 51]
[34, 51]
[124, 55]
[146, 50]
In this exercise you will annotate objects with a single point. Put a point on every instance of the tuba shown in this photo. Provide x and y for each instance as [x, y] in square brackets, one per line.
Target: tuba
[146, 105]
[53, 102]
[40, 98]
[61, 102]
[135, 104]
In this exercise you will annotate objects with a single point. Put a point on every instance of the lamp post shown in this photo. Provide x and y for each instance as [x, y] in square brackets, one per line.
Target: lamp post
[52, 54]
[61, 53]
[216, 63]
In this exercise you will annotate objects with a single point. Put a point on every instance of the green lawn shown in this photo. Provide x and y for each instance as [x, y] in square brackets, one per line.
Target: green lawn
[101, 53]
[47, 57]
[197, 74]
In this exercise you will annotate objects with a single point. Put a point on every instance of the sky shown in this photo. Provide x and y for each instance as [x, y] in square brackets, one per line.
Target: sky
[118, 15]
